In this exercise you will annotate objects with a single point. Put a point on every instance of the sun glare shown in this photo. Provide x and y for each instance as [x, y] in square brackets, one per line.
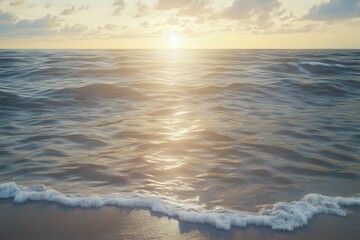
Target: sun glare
[174, 40]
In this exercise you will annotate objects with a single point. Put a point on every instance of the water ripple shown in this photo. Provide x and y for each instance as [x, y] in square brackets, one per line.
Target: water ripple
[212, 128]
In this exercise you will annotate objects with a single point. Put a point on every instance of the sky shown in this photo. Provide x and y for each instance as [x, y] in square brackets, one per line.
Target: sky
[211, 24]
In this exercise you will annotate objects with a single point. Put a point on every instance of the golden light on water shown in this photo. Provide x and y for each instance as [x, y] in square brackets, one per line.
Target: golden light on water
[164, 162]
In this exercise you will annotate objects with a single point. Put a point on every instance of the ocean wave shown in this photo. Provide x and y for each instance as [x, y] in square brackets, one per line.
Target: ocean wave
[325, 88]
[312, 67]
[232, 87]
[13, 100]
[322, 64]
[299, 68]
[98, 90]
[236, 128]
[279, 216]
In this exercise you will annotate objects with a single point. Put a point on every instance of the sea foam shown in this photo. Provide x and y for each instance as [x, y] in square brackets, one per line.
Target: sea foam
[300, 66]
[279, 216]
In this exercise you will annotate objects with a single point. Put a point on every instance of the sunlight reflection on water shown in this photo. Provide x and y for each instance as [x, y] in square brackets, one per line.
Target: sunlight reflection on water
[216, 128]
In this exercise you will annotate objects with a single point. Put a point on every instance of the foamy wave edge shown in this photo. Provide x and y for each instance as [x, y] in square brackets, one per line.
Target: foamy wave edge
[279, 216]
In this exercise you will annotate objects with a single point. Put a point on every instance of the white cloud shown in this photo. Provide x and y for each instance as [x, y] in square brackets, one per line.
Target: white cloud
[68, 11]
[196, 8]
[172, 21]
[142, 9]
[16, 3]
[119, 7]
[74, 29]
[72, 9]
[48, 21]
[172, 4]
[7, 17]
[334, 10]
[110, 26]
[242, 9]
[25, 27]
[188, 17]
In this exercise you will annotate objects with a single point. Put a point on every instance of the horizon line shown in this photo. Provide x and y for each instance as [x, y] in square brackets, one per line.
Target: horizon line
[172, 49]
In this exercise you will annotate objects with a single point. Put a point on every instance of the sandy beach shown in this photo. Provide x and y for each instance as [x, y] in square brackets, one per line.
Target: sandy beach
[43, 220]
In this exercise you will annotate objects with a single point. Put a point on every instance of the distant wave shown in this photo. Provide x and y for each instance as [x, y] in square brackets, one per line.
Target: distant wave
[279, 216]
[98, 90]
[234, 87]
[322, 64]
[12, 100]
[308, 67]
[299, 68]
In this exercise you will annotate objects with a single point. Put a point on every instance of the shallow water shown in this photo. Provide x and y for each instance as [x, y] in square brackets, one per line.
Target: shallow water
[213, 128]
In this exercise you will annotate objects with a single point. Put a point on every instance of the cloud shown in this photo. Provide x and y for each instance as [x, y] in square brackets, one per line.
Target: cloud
[187, 17]
[74, 29]
[145, 24]
[48, 5]
[48, 21]
[242, 9]
[287, 17]
[110, 27]
[288, 28]
[7, 21]
[16, 3]
[84, 7]
[104, 31]
[72, 9]
[142, 9]
[25, 27]
[68, 11]
[119, 7]
[187, 31]
[172, 21]
[196, 8]
[334, 10]
[303, 29]
[172, 4]
[7, 17]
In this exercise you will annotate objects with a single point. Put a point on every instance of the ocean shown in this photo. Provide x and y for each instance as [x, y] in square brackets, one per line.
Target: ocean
[229, 138]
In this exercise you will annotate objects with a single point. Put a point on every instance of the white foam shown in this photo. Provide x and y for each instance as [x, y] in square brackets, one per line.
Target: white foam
[299, 68]
[280, 216]
[322, 64]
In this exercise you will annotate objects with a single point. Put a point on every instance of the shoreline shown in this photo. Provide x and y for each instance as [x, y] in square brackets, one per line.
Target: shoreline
[42, 220]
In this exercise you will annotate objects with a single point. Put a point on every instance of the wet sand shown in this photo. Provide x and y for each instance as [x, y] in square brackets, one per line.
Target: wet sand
[51, 221]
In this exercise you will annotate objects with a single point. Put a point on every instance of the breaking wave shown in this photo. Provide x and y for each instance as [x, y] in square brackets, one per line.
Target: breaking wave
[279, 216]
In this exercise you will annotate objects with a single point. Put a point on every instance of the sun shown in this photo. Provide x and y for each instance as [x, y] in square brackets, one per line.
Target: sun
[174, 40]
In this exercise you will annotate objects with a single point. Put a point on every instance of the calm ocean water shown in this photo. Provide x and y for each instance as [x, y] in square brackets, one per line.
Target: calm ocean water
[207, 129]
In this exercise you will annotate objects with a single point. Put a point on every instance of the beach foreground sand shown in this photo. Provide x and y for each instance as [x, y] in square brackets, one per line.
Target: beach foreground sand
[51, 221]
